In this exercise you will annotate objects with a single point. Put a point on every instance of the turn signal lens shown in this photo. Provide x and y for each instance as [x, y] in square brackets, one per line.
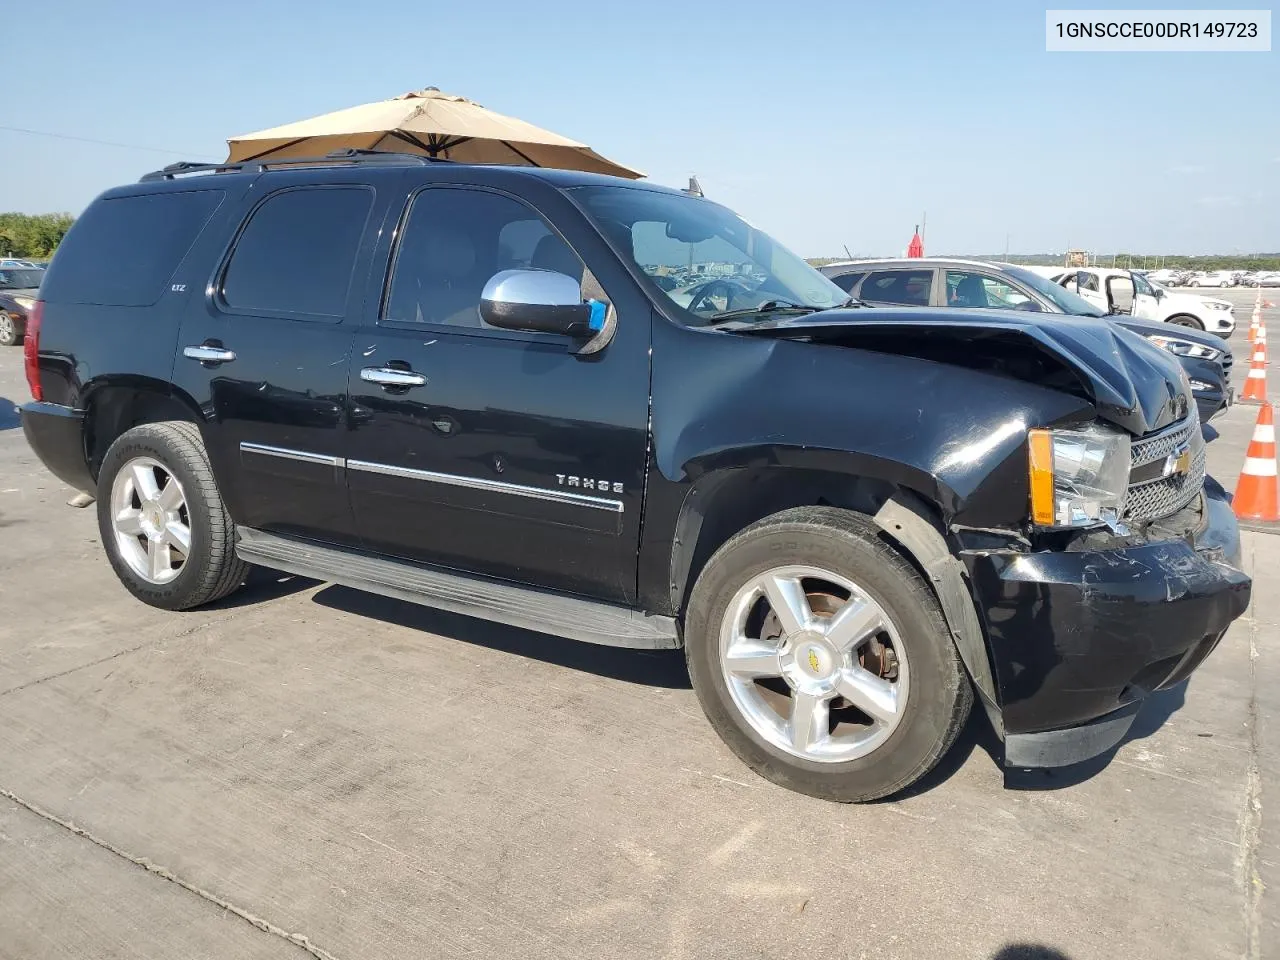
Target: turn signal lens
[1041, 464]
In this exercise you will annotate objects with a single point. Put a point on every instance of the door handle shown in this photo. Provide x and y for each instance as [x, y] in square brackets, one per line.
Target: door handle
[391, 377]
[209, 354]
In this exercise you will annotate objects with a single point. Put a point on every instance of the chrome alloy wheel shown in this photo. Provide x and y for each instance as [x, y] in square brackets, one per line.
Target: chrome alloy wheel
[150, 519]
[814, 664]
[8, 331]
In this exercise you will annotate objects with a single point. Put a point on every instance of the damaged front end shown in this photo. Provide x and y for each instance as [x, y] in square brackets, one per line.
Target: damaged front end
[1050, 482]
[1080, 632]
[1094, 587]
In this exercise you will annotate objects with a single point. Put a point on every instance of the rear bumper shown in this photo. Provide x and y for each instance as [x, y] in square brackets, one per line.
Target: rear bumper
[56, 434]
[1078, 638]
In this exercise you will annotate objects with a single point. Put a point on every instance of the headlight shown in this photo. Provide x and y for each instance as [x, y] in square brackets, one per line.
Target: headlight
[1186, 348]
[25, 302]
[1078, 477]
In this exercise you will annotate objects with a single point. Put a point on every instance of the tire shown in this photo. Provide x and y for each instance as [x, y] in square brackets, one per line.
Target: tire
[1185, 320]
[892, 754]
[10, 330]
[135, 530]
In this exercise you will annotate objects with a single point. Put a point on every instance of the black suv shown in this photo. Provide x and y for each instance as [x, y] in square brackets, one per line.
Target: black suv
[467, 386]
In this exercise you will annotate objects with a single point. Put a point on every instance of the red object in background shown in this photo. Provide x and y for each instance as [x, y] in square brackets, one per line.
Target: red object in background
[916, 247]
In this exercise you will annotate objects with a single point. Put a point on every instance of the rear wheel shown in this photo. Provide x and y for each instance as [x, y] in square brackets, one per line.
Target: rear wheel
[166, 531]
[1186, 320]
[10, 329]
[822, 659]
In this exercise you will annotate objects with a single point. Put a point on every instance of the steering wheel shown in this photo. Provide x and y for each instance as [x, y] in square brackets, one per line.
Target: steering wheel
[709, 290]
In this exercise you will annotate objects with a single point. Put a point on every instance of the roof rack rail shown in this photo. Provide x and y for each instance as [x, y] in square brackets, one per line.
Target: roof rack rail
[346, 155]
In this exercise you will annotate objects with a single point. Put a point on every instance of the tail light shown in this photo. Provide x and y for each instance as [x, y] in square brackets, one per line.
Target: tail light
[31, 349]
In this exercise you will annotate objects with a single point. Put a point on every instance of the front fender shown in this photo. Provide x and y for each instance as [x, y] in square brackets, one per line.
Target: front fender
[956, 436]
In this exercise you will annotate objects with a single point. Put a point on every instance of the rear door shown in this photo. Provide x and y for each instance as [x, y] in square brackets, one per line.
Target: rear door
[1146, 305]
[493, 451]
[899, 287]
[264, 346]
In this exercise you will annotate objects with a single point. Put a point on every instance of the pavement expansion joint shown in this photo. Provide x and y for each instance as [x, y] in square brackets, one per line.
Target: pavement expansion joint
[1251, 817]
[266, 926]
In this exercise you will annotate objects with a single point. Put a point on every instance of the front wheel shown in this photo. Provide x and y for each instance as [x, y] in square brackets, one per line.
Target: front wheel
[166, 531]
[1186, 320]
[822, 658]
[10, 329]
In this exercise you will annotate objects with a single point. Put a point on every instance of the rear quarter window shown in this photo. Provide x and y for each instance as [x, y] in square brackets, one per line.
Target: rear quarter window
[122, 251]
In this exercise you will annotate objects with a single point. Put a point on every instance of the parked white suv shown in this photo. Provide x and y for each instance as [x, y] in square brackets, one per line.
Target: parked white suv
[1123, 291]
[1214, 278]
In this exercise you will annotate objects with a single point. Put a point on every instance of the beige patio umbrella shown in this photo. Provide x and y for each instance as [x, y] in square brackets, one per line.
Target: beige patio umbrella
[426, 122]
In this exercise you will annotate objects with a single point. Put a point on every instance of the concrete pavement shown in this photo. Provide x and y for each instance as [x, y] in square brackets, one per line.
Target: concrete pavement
[368, 779]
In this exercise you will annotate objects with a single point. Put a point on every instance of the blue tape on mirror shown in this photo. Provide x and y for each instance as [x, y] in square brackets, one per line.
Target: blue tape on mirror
[598, 309]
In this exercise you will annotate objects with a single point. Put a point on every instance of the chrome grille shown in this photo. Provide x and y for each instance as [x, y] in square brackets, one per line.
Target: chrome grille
[1157, 498]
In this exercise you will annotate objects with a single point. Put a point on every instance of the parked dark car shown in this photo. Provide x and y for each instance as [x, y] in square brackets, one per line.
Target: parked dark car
[1205, 358]
[18, 291]
[457, 385]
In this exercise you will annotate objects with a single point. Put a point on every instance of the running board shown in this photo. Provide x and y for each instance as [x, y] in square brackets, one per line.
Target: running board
[496, 600]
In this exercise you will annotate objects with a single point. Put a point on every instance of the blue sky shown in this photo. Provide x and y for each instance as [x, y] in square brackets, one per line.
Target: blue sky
[826, 123]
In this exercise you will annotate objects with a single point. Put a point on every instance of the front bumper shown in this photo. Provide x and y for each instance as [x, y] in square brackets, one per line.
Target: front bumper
[1079, 637]
[56, 434]
[1221, 322]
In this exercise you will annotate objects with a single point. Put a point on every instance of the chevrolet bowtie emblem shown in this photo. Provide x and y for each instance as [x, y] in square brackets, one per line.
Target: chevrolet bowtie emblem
[1177, 463]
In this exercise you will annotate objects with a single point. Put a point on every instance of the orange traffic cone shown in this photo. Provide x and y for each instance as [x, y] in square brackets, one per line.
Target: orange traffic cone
[1256, 491]
[1255, 385]
[1254, 322]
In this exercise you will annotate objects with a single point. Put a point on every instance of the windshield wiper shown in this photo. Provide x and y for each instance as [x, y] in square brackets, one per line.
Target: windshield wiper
[769, 306]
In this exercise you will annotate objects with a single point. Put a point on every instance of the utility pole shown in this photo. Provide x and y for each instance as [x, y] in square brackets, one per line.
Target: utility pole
[1006, 248]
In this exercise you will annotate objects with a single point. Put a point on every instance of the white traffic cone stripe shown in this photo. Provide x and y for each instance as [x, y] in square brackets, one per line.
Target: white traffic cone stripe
[1257, 373]
[1258, 467]
[1264, 433]
[1259, 357]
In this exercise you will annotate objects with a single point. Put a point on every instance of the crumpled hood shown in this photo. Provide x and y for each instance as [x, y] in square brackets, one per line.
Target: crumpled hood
[1132, 383]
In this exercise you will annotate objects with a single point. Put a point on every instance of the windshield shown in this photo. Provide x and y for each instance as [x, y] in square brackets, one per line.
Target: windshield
[19, 279]
[1064, 300]
[704, 258]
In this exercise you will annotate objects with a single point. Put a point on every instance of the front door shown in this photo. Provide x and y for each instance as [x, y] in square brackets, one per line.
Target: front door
[491, 451]
[264, 350]
[1088, 285]
[1146, 305]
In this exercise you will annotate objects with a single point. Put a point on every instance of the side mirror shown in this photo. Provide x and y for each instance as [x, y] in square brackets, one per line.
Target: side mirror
[540, 300]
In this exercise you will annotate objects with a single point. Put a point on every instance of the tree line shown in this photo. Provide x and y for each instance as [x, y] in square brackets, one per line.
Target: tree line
[32, 235]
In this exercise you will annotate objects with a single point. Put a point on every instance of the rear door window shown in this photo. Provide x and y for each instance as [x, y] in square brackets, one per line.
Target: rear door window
[123, 250]
[847, 281]
[909, 287]
[297, 254]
